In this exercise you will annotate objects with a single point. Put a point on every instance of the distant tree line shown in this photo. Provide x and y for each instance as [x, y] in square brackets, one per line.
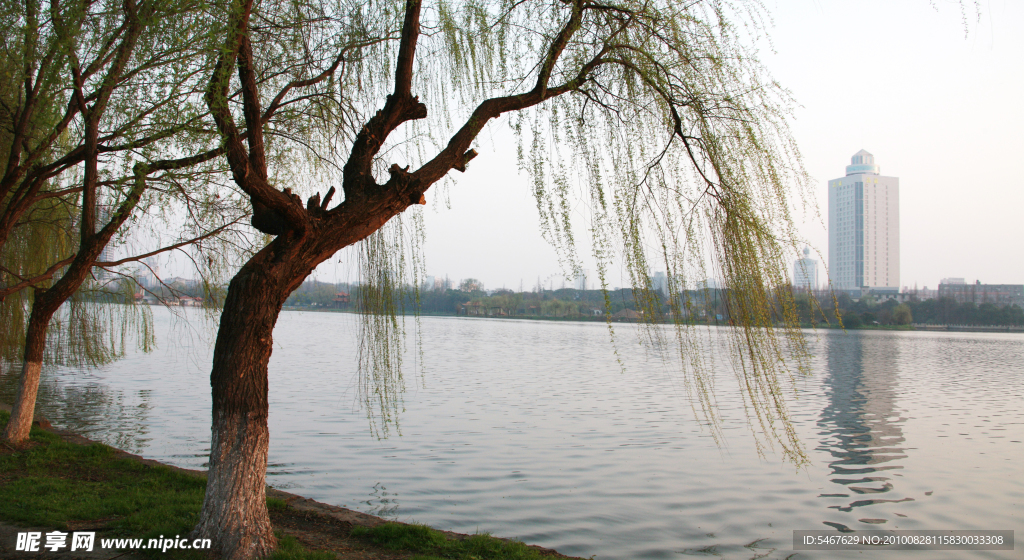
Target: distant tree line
[568, 303]
[870, 311]
[565, 303]
[315, 294]
[950, 312]
[470, 299]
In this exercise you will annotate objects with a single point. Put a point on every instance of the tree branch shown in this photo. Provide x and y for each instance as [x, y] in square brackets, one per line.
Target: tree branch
[274, 212]
[29, 282]
[407, 48]
[558, 46]
[279, 98]
[105, 264]
[400, 107]
[457, 153]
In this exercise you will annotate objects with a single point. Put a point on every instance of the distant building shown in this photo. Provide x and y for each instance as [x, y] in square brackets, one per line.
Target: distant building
[341, 300]
[918, 294]
[186, 301]
[580, 282]
[659, 283]
[864, 228]
[709, 284]
[145, 277]
[805, 272]
[148, 273]
[103, 215]
[178, 282]
[998, 294]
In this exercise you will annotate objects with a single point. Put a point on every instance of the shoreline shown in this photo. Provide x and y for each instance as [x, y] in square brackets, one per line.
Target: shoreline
[916, 327]
[299, 505]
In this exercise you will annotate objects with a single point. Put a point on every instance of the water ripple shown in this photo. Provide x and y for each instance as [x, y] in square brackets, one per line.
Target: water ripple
[531, 430]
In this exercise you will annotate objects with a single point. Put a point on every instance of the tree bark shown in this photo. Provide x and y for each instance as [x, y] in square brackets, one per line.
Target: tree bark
[20, 424]
[234, 514]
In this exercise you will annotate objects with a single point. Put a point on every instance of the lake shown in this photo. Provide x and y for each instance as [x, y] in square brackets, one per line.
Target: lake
[534, 430]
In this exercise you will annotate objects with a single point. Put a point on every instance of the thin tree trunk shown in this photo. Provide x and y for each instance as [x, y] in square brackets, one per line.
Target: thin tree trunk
[44, 306]
[20, 424]
[234, 514]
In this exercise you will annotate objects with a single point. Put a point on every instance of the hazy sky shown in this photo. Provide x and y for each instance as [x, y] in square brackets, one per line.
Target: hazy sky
[942, 112]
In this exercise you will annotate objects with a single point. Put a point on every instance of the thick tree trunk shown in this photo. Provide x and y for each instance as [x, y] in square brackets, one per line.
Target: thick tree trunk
[20, 424]
[234, 514]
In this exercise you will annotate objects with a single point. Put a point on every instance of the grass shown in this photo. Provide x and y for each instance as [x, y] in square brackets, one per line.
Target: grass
[276, 504]
[50, 483]
[288, 548]
[434, 545]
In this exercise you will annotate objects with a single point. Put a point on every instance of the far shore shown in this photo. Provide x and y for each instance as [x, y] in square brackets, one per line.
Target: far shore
[602, 319]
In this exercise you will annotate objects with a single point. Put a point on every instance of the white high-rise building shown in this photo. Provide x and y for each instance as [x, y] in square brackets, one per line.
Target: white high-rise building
[864, 228]
[805, 272]
[659, 283]
[581, 282]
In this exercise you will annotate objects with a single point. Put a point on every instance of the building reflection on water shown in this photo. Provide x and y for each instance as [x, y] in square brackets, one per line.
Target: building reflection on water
[861, 429]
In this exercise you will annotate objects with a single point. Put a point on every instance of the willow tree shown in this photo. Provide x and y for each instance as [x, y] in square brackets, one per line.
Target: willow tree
[655, 113]
[103, 122]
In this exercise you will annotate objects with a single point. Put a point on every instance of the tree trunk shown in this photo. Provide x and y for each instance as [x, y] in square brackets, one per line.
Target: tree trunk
[20, 424]
[234, 514]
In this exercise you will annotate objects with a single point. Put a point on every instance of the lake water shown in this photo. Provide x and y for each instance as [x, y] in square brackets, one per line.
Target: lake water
[532, 430]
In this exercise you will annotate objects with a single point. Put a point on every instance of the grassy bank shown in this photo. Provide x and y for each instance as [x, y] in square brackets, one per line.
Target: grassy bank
[49, 482]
